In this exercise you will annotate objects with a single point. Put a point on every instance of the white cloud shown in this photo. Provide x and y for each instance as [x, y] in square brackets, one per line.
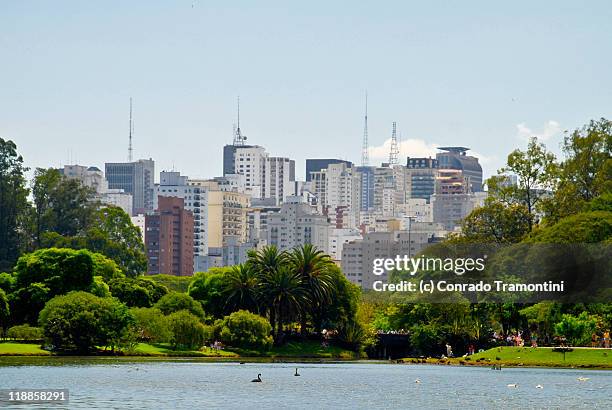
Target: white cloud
[408, 148]
[550, 129]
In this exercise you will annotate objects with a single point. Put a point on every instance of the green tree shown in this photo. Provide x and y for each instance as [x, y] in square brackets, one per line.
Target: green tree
[242, 289]
[187, 330]
[99, 288]
[45, 273]
[284, 292]
[62, 205]
[210, 289]
[174, 302]
[25, 333]
[584, 227]
[14, 206]
[110, 233]
[139, 292]
[150, 325]
[5, 312]
[577, 329]
[536, 171]
[246, 330]
[587, 170]
[80, 321]
[343, 309]
[313, 266]
[496, 222]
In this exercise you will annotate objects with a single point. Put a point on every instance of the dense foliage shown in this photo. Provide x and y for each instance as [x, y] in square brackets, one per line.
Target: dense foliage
[245, 330]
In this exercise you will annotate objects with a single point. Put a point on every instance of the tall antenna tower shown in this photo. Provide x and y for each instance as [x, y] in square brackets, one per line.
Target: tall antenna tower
[394, 152]
[130, 149]
[365, 155]
[238, 137]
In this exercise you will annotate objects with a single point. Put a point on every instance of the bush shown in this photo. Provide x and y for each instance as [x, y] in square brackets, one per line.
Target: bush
[187, 330]
[151, 325]
[80, 321]
[25, 332]
[174, 302]
[577, 329]
[99, 287]
[427, 339]
[246, 330]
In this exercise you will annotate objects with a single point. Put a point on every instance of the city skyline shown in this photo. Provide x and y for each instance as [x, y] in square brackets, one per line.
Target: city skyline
[70, 79]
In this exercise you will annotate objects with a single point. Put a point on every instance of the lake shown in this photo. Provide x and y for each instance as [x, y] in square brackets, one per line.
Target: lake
[128, 384]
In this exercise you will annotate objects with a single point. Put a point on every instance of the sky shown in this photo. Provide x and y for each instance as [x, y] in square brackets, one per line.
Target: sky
[476, 74]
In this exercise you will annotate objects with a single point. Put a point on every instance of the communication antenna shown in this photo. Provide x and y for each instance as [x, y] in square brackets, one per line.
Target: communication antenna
[238, 137]
[393, 153]
[130, 149]
[365, 155]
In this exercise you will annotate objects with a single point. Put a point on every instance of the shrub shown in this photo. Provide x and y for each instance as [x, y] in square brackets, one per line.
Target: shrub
[187, 330]
[25, 333]
[174, 302]
[151, 325]
[246, 330]
[80, 321]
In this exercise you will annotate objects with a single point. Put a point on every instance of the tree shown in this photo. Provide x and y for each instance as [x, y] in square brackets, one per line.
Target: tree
[110, 233]
[80, 321]
[61, 205]
[584, 227]
[174, 302]
[113, 234]
[25, 333]
[536, 172]
[246, 330]
[313, 266]
[150, 325]
[284, 292]
[5, 312]
[587, 170]
[187, 330]
[341, 313]
[495, 222]
[140, 292]
[45, 273]
[14, 206]
[209, 288]
[577, 329]
[242, 289]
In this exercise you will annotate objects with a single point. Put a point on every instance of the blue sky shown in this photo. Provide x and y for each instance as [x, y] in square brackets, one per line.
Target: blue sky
[475, 74]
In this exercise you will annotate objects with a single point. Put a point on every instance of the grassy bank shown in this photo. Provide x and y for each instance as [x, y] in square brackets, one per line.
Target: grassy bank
[527, 356]
[22, 349]
[291, 350]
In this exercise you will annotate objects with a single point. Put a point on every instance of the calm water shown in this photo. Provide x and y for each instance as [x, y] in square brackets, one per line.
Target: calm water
[189, 385]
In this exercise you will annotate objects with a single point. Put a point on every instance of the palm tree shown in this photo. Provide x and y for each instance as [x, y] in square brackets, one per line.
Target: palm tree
[284, 291]
[313, 266]
[266, 261]
[242, 289]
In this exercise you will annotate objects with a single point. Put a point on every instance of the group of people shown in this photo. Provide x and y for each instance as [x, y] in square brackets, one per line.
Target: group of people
[601, 340]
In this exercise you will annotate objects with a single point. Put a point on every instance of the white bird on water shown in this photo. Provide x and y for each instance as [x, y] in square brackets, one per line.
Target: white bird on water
[513, 385]
[539, 386]
[417, 381]
[582, 379]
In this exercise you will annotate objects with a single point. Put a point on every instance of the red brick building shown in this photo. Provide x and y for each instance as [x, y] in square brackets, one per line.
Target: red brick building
[169, 238]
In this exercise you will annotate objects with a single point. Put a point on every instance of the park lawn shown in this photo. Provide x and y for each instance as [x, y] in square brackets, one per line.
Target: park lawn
[22, 349]
[528, 356]
[306, 349]
[163, 349]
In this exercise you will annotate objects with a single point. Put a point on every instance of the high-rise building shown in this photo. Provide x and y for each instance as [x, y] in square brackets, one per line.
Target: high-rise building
[456, 158]
[169, 238]
[93, 177]
[366, 177]
[279, 175]
[318, 164]
[421, 177]
[337, 186]
[358, 255]
[195, 200]
[136, 178]
[296, 224]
